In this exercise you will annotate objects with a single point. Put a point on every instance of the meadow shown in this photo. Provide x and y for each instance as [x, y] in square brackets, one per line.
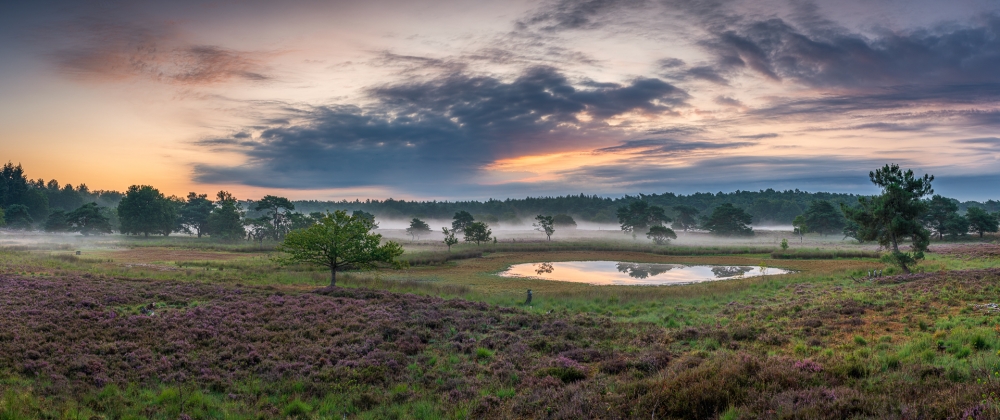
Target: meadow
[185, 328]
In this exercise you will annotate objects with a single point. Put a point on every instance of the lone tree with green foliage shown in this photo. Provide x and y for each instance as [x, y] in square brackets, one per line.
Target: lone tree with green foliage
[545, 224]
[981, 221]
[144, 210]
[195, 213]
[661, 234]
[418, 227]
[226, 220]
[449, 237]
[728, 220]
[88, 220]
[461, 220]
[894, 215]
[824, 218]
[940, 211]
[339, 240]
[687, 217]
[477, 232]
[638, 216]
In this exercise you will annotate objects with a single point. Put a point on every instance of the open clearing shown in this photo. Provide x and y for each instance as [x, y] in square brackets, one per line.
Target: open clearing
[226, 333]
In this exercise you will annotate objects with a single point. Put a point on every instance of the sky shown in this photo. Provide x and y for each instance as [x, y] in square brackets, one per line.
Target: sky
[469, 99]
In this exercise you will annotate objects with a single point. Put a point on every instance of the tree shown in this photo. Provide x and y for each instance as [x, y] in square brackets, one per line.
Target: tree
[365, 214]
[3, 221]
[545, 225]
[894, 215]
[851, 230]
[461, 220]
[980, 221]
[824, 218]
[638, 216]
[18, 217]
[939, 210]
[276, 209]
[145, 210]
[259, 229]
[687, 217]
[728, 220]
[56, 222]
[88, 220]
[194, 213]
[563, 221]
[301, 221]
[956, 225]
[799, 226]
[661, 234]
[477, 232]
[449, 237]
[226, 220]
[339, 240]
[418, 227]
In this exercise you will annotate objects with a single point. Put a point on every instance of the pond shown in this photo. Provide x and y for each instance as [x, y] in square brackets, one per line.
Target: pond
[630, 273]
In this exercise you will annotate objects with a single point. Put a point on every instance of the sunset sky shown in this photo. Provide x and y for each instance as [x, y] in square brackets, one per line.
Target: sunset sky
[473, 99]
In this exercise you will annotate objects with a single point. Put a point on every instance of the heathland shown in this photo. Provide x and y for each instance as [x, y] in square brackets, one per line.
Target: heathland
[182, 327]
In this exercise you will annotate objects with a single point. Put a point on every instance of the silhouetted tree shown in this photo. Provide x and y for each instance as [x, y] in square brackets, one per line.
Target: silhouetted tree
[545, 225]
[418, 227]
[88, 220]
[461, 220]
[18, 217]
[276, 209]
[661, 234]
[728, 220]
[638, 216]
[687, 217]
[939, 210]
[145, 210]
[824, 218]
[194, 213]
[477, 232]
[226, 220]
[981, 221]
[56, 222]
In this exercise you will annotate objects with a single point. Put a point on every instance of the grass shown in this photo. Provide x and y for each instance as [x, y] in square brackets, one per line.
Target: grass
[813, 344]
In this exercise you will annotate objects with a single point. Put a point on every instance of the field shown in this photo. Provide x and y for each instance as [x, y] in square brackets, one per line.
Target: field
[185, 328]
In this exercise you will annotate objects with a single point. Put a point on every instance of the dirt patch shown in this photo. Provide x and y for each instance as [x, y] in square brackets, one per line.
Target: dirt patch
[148, 255]
[968, 251]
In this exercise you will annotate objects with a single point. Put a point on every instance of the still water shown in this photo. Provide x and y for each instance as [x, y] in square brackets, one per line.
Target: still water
[629, 273]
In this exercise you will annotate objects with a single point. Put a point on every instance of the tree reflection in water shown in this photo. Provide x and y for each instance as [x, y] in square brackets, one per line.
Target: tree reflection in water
[641, 271]
[731, 271]
[544, 268]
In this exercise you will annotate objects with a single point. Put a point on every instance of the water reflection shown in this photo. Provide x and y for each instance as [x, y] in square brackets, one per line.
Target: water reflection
[641, 270]
[630, 273]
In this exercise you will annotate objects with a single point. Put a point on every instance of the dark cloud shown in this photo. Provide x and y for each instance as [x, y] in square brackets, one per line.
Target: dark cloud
[725, 100]
[443, 130]
[578, 14]
[775, 49]
[114, 51]
[758, 136]
[666, 147]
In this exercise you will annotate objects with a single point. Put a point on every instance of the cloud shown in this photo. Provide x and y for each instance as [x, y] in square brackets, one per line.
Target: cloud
[666, 147]
[758, 136]
[113, 51]
[441, 131]
[833, 57]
